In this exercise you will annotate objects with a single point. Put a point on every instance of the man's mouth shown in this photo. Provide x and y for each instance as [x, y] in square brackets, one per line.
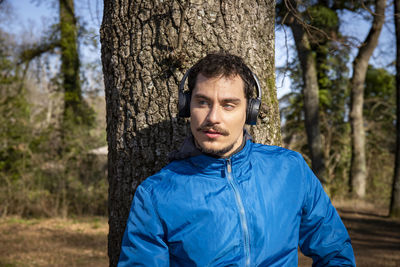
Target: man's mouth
[213, 132]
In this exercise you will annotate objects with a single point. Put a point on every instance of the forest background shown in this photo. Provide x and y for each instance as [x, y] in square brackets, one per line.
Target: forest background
[52, 137]
[39, 180]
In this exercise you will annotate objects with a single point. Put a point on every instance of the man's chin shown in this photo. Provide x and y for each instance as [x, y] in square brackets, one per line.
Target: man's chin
[215, 149]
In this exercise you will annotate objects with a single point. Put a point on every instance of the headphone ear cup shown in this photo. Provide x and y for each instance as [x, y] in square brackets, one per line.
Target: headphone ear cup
[184, 104]
[253, 108]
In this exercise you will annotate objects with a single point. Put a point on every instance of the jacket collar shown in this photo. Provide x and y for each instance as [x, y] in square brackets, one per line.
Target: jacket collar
[209, 165]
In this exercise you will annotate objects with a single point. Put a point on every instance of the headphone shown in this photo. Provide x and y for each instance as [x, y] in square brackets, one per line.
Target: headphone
[253, 106]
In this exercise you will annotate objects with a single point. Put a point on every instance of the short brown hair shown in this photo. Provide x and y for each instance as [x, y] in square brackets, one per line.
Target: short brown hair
[222, 64]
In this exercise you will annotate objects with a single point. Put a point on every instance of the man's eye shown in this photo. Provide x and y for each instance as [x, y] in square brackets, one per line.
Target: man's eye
[202, 103]
[229, 106]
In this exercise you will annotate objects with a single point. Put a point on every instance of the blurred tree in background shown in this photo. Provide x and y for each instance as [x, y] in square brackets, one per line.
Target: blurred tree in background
[15, 129]
[46, 164]
[335, 130]
[358, 167]
[379, 115]
[395, 195]
[319, 22]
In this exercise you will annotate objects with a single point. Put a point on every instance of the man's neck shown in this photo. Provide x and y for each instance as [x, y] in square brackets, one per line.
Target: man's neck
[237, 149]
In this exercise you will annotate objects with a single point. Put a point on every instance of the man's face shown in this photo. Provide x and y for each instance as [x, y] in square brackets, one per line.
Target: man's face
[218, 114]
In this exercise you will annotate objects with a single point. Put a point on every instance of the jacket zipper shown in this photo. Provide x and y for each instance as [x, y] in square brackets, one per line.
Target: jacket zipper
[242, 213]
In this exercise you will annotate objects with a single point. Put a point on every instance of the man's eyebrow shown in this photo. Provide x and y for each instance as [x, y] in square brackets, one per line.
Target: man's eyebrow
[225, 100]
[231, 100]
[201, 96]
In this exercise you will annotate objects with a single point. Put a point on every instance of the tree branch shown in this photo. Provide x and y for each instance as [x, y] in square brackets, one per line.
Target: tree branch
[31, 53]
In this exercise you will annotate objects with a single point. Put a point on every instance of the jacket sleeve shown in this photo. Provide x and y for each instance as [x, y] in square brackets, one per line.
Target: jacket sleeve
[323, 236]
[143, 243]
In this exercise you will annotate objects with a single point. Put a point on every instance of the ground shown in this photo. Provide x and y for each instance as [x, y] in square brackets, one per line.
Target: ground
[83, 241]
[375, 237]
[53, 242]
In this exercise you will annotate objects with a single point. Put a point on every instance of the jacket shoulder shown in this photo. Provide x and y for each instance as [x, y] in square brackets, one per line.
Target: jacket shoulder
[161, 177]
[276, 151]
[152, 181]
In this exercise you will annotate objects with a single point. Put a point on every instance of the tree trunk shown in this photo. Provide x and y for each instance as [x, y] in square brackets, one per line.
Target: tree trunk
[311, 98]
[69, 57]
[358, 171]
[146, 48]
[395, 198]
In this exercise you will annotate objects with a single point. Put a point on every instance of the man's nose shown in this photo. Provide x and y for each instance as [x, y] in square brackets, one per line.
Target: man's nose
[214, 114]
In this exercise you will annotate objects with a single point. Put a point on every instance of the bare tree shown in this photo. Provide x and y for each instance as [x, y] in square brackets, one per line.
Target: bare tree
[146, 47]
[358, 171]
[395, 198]
[303, 37]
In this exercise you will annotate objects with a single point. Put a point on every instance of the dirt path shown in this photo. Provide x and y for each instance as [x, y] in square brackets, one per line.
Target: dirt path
[375, 238]
[83, 242]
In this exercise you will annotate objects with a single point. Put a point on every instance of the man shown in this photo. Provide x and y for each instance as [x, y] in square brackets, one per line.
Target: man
[226, 201]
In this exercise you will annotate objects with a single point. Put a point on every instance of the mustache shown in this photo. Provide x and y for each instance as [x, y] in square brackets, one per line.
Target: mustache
[215, 128]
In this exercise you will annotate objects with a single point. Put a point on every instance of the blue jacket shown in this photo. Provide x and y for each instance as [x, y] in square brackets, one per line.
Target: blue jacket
[252, 209]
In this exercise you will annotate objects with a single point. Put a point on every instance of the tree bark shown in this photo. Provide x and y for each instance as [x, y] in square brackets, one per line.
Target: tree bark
[358, 170]
[395, 197]
[146, 48]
